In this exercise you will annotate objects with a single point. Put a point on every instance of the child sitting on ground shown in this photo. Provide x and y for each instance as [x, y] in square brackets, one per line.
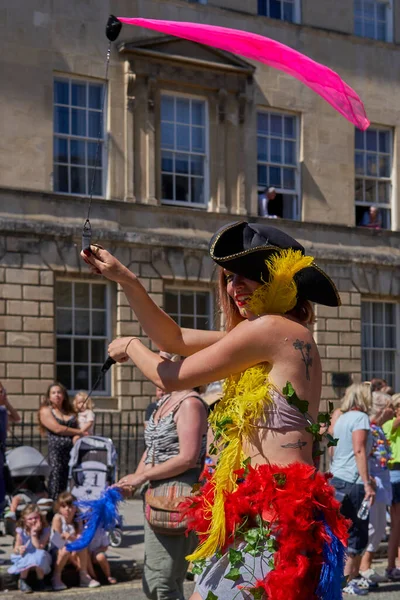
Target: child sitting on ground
[83, 407]
[97, 550]
[66, 528]
[29, 548]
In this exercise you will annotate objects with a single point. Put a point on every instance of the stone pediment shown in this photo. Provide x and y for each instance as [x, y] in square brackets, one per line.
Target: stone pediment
[175, 49]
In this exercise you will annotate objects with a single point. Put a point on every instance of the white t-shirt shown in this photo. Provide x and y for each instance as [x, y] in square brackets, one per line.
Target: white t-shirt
[85, 417]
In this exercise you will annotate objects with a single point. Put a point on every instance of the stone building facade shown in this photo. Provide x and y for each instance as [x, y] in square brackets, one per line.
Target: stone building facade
[190, 135]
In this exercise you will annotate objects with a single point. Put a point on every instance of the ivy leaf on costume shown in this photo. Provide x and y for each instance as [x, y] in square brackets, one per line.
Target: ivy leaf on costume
[233, 574]
[331, 440]
[198, 566]
[235, 556]
[324, 418]
[257, 593]
[314, 430]
[211, 596]
[292, 398]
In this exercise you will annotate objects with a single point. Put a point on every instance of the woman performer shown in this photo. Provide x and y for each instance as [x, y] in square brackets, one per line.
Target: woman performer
[268, 523]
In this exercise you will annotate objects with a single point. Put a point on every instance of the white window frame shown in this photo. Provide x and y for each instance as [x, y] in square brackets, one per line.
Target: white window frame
[183, 289]
[69, 136]
[389, 19]
[108, 336]
[202, 205]
[296, 11]
[396, 350]
[364, 177]
[296, 193]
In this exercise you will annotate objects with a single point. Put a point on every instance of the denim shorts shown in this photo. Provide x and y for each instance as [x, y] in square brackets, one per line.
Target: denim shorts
[351, 496]
[396, 492]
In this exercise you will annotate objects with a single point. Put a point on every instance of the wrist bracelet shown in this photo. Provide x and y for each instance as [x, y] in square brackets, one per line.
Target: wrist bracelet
[131, 340]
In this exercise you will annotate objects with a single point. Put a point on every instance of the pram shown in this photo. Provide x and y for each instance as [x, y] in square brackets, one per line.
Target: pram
[28, 470]
[92, 468]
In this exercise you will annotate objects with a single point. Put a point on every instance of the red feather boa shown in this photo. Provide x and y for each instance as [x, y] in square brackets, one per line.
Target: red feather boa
[292, 500]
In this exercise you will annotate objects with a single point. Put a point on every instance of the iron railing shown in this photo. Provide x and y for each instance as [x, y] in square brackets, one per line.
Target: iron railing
[125, 429]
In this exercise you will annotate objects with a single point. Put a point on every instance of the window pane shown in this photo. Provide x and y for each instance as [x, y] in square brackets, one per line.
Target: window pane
[390, 337]
[384, 145]
[377, 337]
[275, 176]
[288, 179]
[81, 377]
[290, 131]
[359, 139]
[262, 154]
[167, 136]
[276, 151]
[167, 108]
[290, 153]
[370, 190]
[63, 352]
[262, 175]
[187, 322]
[95, 96]
[288, 12]
[381, 31]
[96, 182]
[202, 323]
[95, 124]
[202, 303]
[182, 163]
[78, 150]
[276, 125]
[381, 11]
[64, 375]
[167, 162]
[171, 303]
[61, 119]
[183, 137]
[197, 190]
[99, 323]
[377, 312]
[262, 123]
[63, 293]
[372, 168]
[369, 29]
[197, 165]
[275, 9]
[372, 140]
[95, 154]
[187, 303]
[78, 94]
[64, 321]
[61, 92]
[61, 150]
[60, 178]
[95, 373]
[167, 187]
[82, 321]
[182, 111]
[359, 190]
[198, 112]
[198, 141]
[384, 166]
[182, 189]
[78, 117]
[98, 351]
[383, 192]
[98, 296]
[390, 317]
[81, 295]
[81, 351]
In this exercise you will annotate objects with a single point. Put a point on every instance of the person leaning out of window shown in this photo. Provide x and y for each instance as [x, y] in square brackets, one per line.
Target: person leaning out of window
[351, 477]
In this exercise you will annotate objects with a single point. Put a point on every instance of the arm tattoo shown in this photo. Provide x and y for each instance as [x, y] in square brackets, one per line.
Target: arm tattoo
[305, 353]
[298, 444]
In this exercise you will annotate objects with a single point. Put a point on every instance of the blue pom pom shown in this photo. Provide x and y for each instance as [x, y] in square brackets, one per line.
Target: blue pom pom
[102, 512]
[330, 582]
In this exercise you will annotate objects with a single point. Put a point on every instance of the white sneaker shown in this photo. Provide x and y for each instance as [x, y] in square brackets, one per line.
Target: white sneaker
[57, 584]
[352, 589]
[87, 582]
[373, 577]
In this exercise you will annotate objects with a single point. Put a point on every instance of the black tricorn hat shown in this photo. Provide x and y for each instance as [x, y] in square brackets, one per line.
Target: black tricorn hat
[242, 248]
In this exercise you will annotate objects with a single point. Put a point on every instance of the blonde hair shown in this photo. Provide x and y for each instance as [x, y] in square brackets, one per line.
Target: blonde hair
[29, 510]
[359, 396]
[88, 404]
[379, 401]
[396, 400]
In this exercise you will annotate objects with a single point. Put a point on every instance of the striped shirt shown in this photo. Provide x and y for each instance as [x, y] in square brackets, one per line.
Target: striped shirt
[162, 440]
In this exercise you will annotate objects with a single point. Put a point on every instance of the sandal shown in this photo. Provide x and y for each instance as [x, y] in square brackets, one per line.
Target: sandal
[111, 580]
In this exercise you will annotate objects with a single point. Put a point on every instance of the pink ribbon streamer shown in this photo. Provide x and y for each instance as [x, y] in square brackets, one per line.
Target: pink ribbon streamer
[320, 79]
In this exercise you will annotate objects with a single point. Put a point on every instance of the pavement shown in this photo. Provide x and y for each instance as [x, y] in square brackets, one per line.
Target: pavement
[126, 564]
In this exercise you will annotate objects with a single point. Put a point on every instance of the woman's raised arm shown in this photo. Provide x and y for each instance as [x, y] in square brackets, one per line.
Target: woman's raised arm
[158, 326]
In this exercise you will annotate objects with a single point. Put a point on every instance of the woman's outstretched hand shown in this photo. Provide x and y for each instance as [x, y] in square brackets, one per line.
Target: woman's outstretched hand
[102, 262]
[117, 349]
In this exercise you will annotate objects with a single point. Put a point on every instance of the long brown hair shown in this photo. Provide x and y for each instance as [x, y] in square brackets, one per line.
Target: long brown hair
[28, 510]
[67, 499]
[66, 407]
[303, 311]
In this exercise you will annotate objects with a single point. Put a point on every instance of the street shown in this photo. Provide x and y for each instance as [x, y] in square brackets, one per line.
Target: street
[133, 591]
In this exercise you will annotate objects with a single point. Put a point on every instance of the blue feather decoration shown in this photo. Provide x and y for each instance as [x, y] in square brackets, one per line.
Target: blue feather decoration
[331, 577]
[102, 512]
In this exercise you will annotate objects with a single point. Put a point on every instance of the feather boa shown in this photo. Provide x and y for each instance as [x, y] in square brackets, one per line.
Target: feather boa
[102, 512]
[299, 505]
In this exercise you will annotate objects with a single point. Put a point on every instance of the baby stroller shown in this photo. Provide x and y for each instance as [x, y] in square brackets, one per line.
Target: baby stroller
[28, 470]
[92, 468]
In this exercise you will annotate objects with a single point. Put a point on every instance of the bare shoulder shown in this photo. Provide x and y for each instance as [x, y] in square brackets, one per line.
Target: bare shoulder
[45, 410]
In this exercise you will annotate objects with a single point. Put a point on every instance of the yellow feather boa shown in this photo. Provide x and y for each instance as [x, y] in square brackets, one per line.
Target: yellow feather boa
[245, 395]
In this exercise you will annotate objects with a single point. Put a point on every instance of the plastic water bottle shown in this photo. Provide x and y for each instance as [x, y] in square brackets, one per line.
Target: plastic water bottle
[363, 511]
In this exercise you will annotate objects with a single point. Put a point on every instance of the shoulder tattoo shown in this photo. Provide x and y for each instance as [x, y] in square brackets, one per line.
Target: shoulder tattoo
[305, 350]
